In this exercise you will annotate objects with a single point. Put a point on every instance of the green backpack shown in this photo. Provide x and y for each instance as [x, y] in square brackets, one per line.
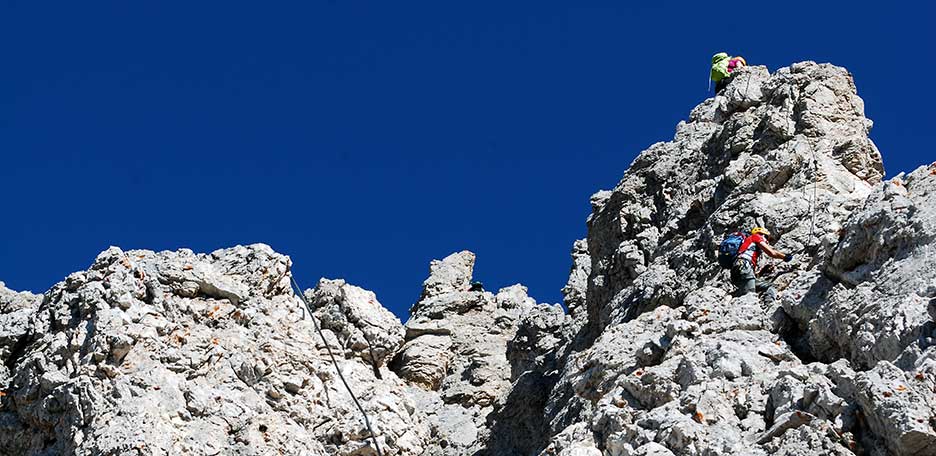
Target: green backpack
[719, 66]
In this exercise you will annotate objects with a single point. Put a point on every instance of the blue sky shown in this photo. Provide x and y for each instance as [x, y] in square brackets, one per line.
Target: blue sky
[365, 139]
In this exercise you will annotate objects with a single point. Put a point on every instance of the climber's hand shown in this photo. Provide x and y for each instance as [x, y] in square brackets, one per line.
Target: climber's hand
[788, 258]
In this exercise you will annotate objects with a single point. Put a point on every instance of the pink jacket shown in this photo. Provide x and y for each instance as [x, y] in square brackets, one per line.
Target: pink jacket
[734, 63]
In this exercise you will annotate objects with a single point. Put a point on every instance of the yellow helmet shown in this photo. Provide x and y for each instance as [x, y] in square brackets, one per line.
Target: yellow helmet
[741, 59]
[761, 230]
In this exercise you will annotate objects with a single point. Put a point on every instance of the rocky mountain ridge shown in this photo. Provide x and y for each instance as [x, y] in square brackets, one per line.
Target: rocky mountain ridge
[158, 353]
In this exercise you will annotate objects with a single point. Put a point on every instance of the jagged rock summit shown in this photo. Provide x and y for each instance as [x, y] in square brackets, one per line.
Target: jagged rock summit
[150, 353]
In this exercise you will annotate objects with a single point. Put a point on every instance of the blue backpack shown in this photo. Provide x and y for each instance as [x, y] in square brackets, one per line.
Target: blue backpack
[728, 249]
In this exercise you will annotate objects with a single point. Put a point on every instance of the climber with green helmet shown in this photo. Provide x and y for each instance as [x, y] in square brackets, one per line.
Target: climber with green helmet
[723, 67]
[743, 270]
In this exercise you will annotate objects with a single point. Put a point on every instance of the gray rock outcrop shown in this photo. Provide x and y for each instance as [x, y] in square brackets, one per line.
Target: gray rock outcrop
[182, 353]
[669, 357]
[15, 312]
[455, 355]
[653, 353]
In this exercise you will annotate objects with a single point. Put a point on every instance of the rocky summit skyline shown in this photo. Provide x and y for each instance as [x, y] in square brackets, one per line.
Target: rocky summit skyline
[178, 352]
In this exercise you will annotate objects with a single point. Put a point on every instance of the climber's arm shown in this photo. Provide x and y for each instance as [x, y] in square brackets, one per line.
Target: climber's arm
[772, 252]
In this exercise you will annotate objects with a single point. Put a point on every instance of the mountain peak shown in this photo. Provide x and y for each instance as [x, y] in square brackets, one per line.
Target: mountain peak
[656, 352]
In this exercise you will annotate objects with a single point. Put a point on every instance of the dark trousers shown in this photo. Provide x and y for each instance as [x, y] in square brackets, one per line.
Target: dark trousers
[743, 277]
[720, 85]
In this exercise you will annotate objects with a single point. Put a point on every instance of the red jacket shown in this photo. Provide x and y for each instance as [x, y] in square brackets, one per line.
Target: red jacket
[749, 249]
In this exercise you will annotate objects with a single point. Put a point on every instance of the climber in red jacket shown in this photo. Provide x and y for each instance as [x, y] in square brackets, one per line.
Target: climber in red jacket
[743, 270]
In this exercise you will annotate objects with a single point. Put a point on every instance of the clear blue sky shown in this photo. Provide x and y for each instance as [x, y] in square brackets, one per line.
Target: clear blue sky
[366, 138]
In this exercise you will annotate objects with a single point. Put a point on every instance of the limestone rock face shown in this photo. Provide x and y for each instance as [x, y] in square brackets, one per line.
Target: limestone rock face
[354, 315]
[653, 354]
[881, 276]
[576, 289]
[455, 355]
[667, 360]
[15, 312]
[182, 353]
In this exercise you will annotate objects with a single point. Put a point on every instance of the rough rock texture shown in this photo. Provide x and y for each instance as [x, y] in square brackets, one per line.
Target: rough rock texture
[879, 279]
[653, 354]
[455, 355]
[15, 312]
[576, 289]
[354, 315]
[668, 361]
[178, 353]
